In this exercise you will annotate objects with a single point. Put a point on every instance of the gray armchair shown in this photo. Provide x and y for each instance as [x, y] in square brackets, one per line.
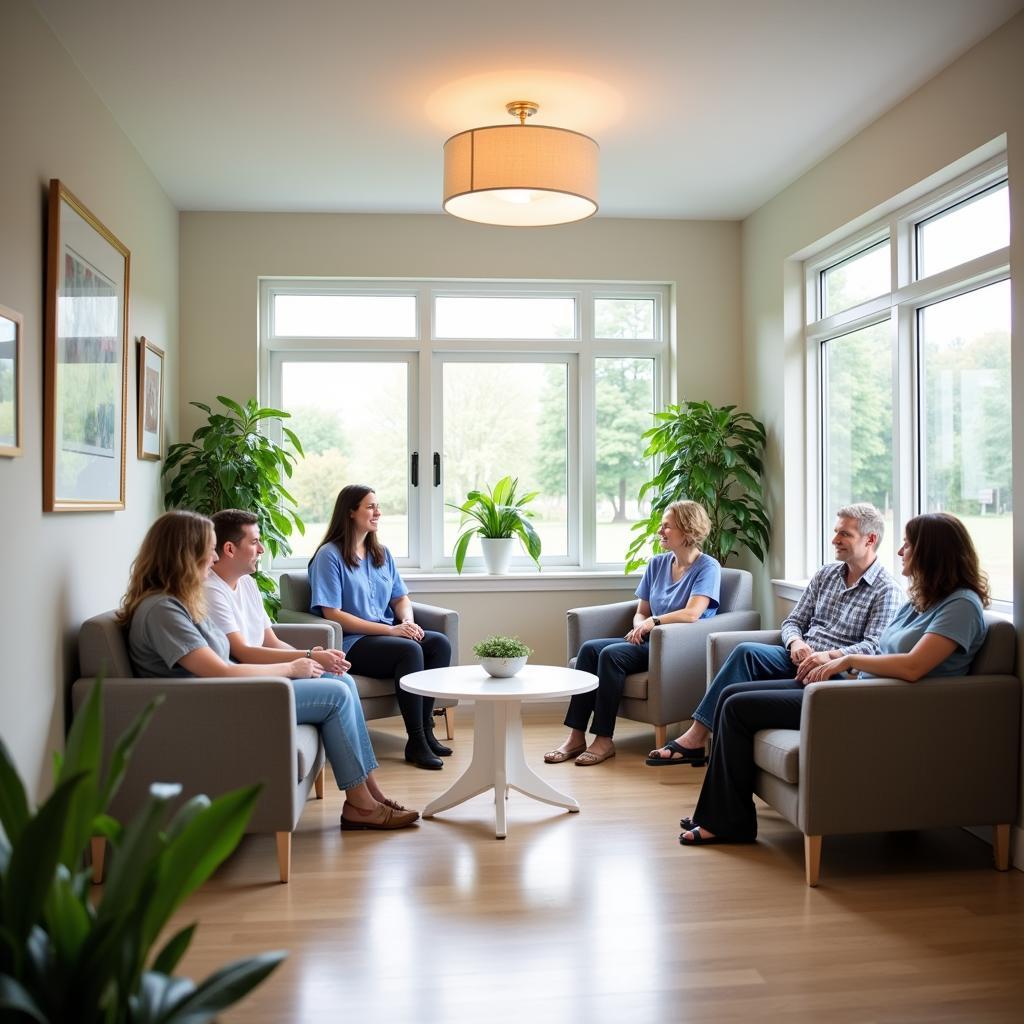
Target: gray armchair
[819, 779]
[210, 735]
[675, 680]
[377, 695]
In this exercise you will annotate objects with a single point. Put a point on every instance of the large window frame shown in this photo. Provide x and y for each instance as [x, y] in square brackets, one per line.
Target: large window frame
[898, 306]
[426, 355]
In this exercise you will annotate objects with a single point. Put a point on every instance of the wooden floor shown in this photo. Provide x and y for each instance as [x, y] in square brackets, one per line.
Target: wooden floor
[601, 916]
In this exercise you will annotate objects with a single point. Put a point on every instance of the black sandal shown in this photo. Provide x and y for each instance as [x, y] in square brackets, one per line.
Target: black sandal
[699, 838]
[695, 756]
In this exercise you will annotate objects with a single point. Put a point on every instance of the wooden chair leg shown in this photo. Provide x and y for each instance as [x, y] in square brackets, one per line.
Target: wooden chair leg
[318, 785]
[98, 848]
[1001, 846]
[449, 721]
[284, 854]
[812, 859]
[660, 736]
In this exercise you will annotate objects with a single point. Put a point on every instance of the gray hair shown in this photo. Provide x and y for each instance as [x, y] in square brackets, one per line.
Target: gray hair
[868, 518]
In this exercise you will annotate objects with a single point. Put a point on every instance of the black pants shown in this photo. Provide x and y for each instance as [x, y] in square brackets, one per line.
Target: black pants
[384, 657]
[726, 803]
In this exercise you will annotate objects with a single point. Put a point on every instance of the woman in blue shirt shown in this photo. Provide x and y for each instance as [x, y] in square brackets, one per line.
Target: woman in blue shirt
[355, 583]
[937, 632]
[681, 585]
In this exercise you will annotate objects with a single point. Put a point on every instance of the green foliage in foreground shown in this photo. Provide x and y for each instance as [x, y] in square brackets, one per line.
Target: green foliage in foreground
[62, 958]
[496, 514]
[711, 455]
[502, 647]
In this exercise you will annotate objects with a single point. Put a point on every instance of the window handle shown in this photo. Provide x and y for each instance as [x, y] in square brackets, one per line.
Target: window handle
[415, 473]
[437, 469]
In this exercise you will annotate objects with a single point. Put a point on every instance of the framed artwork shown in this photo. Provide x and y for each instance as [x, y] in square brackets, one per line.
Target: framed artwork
[86, 364]
[151, 400]
[10, 381]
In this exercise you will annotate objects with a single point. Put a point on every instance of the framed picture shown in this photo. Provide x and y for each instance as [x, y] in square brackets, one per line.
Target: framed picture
[10, 381]
[151, 400]
[86, 378]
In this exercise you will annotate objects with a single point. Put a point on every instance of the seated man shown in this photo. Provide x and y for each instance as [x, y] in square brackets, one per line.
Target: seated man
[844, 609]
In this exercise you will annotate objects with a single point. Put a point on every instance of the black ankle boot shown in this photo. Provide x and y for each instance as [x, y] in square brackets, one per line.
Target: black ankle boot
[432, 741]
[418, 752]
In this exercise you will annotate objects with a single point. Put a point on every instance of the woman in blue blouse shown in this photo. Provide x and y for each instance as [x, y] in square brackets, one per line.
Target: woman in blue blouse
[354, 582]
[936, 633]
[681, 585]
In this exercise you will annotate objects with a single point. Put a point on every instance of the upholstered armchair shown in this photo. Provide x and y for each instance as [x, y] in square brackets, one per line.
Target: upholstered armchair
[209, 735]
[675, 681]
[822, 779]
[377, 695]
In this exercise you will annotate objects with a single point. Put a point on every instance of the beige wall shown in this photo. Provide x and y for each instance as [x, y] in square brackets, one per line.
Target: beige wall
[975, 100]
[57, 569]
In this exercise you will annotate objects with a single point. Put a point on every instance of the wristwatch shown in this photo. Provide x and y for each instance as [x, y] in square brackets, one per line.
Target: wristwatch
[656, 620]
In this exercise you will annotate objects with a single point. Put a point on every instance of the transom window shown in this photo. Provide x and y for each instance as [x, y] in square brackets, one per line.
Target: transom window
[427, 390]
[909, 354]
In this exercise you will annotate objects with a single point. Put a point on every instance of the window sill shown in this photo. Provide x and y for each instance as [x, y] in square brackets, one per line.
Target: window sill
[790, 590]
[548, 580]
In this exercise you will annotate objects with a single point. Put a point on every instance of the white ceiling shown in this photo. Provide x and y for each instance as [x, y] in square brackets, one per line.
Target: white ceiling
[702, 108]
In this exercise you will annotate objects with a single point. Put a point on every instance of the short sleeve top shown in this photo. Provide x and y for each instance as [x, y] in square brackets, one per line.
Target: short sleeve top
[365, 591]
[237, 611]
[958, 617]
[702, 579]
[162, 632]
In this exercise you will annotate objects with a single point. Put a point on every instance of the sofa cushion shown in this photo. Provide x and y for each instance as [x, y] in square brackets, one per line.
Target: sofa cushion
[636, 686]
[307, 745]
[777, 751]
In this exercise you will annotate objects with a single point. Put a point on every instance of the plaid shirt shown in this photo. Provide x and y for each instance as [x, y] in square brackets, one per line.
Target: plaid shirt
[831, 616]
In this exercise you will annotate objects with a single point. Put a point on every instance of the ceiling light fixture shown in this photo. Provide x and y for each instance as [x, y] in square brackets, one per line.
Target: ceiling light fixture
[520, 175]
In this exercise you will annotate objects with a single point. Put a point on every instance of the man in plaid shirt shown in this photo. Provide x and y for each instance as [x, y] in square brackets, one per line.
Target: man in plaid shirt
[844, 609]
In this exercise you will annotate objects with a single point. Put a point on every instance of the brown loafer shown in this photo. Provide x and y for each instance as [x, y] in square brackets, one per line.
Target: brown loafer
[382, 818]
[588, 757]
[558, 756]
[396, 806]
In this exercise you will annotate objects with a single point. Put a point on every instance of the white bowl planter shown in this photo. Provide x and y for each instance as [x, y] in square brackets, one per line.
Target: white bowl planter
[497, 553]
[502, 668]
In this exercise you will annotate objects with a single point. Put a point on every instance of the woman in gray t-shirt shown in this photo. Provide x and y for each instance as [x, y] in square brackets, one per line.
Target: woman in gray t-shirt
[170, 634]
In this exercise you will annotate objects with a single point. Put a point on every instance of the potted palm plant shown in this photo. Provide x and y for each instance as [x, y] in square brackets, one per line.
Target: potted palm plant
[498, 516]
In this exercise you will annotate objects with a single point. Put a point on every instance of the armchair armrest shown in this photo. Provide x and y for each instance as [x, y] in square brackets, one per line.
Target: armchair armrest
[882, 754]
[440, 620]
[305, 635]
[596, 621]
[286, 615]
[722, 644]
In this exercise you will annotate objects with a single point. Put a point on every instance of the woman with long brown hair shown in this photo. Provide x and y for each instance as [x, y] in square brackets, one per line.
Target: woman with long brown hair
[170, 634]
[354, 582]
[937, 632]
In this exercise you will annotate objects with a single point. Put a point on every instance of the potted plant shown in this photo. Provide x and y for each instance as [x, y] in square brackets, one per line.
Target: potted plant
[502, 656]
[67, 956]
[497, 516]
[231, 463]
[709, 454]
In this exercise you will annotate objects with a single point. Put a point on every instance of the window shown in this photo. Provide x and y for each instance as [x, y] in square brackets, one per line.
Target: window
[910, 363]
[426, 390]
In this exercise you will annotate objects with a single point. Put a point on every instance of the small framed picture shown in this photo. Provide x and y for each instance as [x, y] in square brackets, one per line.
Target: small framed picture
[86, 360]
[10, 381]
[151, 400]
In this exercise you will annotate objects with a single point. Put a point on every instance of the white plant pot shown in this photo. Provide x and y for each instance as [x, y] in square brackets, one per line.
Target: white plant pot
[497, 553]
[502, 668]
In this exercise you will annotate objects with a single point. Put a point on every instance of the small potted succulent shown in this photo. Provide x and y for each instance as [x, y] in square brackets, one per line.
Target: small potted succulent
[502, 656]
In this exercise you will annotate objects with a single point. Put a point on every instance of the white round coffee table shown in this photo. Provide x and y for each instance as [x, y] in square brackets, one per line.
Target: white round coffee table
[498, 762]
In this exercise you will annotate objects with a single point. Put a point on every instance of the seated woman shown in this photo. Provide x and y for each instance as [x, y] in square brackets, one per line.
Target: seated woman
[936, 633]
[354, 582]
[681, 585]
[170, 634]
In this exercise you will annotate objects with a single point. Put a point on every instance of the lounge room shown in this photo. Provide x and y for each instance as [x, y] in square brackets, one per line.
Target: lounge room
[806, 210]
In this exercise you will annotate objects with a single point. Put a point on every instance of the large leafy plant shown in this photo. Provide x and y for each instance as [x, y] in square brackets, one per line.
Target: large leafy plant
[497, 513]
[712, 455]
[232, 463]
[67, 957]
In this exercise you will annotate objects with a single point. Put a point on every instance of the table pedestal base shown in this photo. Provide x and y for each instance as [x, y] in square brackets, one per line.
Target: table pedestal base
[498, 763]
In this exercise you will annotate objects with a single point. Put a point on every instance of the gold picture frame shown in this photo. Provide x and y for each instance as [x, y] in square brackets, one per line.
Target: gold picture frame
[86, 360]
[12, 326]
[151, 400]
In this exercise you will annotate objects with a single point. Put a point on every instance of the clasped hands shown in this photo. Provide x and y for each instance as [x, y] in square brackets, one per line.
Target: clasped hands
[331, 660]
[817, 667]
[408, 630]
[638, 633]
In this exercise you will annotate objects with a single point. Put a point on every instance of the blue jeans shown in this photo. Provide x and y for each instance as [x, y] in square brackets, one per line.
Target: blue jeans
[747, 663]
[611, 661]
[332, 704]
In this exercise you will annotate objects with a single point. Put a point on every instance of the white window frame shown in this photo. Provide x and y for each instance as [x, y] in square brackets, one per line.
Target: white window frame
[899, 305]
[426, 355]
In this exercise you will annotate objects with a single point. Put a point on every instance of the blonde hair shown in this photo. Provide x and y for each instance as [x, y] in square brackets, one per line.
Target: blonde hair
[691, 520]
[170, 561]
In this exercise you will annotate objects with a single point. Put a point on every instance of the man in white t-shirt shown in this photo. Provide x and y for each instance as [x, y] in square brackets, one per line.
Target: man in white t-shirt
[235, 603]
